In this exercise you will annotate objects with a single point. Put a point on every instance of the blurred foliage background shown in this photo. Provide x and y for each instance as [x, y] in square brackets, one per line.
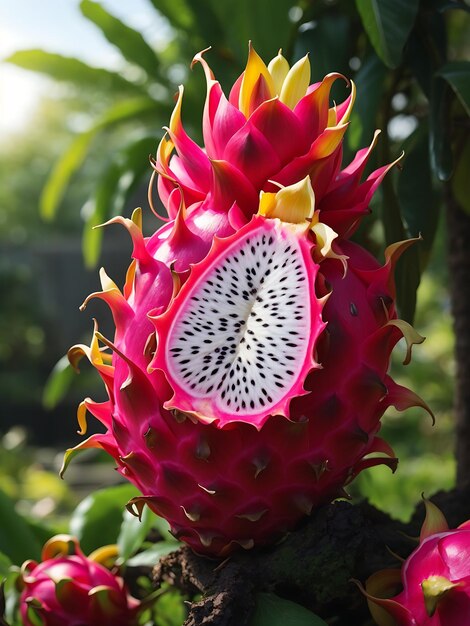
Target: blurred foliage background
[82, 157]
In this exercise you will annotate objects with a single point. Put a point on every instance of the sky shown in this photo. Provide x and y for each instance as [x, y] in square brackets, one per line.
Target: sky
[58, 26]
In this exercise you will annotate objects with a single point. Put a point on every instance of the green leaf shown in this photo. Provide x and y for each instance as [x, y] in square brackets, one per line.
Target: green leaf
[439, 129]
[12, 597]
[388, 24]
[58, 383]
[5, 564]
[71, 70]
[418, 199]
[130, 43]
[274, 611]
[370, 80]
[118, 182]
[17, 541]
[74, 156]
[427, 49]
[328, 41]
[136, 166]
[420, 203]
[448, 5]
[97, 519]
[100, 210]
[457, 74]
[133, 532]
[265, 22]
[407, 274]
[177, 12]
[210, 26]
[69, 162]
[152, 555]
[42, 532]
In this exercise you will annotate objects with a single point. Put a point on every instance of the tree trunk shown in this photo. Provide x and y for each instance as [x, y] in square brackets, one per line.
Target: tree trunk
[313, 566]
[458, 225]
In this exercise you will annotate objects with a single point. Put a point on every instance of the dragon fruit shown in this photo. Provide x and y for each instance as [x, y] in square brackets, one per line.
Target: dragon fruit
[73, 590]
[248, 373]
[435, 579]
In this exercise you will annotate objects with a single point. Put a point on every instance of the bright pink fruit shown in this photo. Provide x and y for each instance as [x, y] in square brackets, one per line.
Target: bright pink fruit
[238, 459]
[73, 590]
[435, 579]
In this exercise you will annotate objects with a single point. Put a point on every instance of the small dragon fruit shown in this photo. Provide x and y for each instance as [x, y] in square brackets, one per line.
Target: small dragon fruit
[435, 579]
[73, 590]
[248, 372]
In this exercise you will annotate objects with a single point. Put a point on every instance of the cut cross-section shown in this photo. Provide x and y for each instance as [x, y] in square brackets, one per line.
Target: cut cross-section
[237, 342]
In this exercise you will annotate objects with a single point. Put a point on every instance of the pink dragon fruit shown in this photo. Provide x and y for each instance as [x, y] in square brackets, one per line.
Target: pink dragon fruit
[248, 373]
[74, 590]
[435, 579]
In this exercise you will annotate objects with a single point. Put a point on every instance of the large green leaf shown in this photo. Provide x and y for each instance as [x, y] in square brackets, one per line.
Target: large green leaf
[177, 12]
[130, 43]
[265, 22]
[5, 564]
[427, 49]
[17, 540]
[72, 159]
[211, 29]
[370, 80]
[97, 520]
[329, 44]
[133, 532]
[58, 383]
[71, 70]
[388, 24]
[439, 129]
[101, 206]
[447, 5]
[420, 204]
[457, 74]
[419, 201]
[274, 611]
[407, 274]
[116, 185]
[151, 556]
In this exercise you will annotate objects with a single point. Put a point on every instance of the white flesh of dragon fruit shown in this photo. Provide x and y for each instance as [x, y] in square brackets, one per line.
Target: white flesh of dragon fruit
[238, 340]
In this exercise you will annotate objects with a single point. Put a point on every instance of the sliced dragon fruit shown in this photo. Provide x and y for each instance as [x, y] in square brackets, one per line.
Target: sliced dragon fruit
[238, 340]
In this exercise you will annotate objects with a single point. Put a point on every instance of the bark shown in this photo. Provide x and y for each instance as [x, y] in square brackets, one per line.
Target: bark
[458, 225]
[313, 566]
